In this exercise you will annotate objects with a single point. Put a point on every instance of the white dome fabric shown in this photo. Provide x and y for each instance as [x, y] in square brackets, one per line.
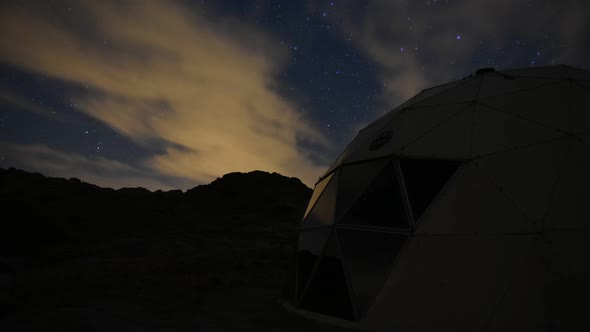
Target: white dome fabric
[466, 208]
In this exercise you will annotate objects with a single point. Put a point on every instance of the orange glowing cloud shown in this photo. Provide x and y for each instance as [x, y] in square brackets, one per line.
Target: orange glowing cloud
[158, 72]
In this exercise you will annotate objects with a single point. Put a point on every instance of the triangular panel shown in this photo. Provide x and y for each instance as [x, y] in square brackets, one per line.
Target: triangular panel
[547, 106]
[472, 204]
[578, 74]
[368, 256]
[381, 203]
[454, 283]
[311, 244]
[431, 92]
[415, 123]
[501, 84]
[353, 181]
[449, 140]
[571, 197]
[567, 254]
[327, 292]
[319, 188]
[424, 179]
[527, 175]
[362, 147]
[460, 93]
[374, 128]
[340, 158]
[496, 131]
[584, 84]
[580, 109]
[358, 144]
[322, 213]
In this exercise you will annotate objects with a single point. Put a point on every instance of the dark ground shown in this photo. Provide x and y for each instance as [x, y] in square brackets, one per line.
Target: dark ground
[76, 257]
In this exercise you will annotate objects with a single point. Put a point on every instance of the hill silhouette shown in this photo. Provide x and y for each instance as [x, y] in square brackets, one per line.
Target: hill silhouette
[75, 256]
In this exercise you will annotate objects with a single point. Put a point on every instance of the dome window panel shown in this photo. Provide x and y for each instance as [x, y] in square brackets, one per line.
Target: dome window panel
[381, 203]
[328, 291]
[424, 179]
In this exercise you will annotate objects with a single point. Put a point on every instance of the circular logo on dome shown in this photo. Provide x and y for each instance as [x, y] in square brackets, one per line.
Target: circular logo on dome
[381, 140]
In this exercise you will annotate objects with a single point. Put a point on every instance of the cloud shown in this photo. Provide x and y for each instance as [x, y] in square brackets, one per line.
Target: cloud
[417, 44]
[100, 171]
[14, 100]
[158, 72]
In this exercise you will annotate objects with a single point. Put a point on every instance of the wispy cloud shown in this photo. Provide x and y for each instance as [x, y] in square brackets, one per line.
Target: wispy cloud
[417, 44]
[161, 73]
[13, 100]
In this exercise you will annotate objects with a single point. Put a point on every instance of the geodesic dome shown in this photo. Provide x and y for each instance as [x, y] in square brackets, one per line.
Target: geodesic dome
[465, 208]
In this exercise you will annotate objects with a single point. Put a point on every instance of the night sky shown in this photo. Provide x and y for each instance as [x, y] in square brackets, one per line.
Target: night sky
[171, 94]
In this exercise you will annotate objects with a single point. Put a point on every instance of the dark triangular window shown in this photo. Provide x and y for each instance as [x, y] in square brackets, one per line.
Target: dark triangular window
[368, 257]
[327, 292]
[380, 204]
[311, 244]
[353, 181]
[424, 179]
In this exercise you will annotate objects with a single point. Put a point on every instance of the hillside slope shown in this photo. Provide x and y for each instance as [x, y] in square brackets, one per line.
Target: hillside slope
[79, 257]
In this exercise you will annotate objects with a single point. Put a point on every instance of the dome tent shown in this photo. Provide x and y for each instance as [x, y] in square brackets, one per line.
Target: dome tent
[465, 208]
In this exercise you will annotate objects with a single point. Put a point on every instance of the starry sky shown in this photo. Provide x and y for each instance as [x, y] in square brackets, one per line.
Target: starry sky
[172, 94]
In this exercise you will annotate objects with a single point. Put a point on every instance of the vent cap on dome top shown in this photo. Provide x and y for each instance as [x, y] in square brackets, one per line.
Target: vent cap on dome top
[484, 71]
